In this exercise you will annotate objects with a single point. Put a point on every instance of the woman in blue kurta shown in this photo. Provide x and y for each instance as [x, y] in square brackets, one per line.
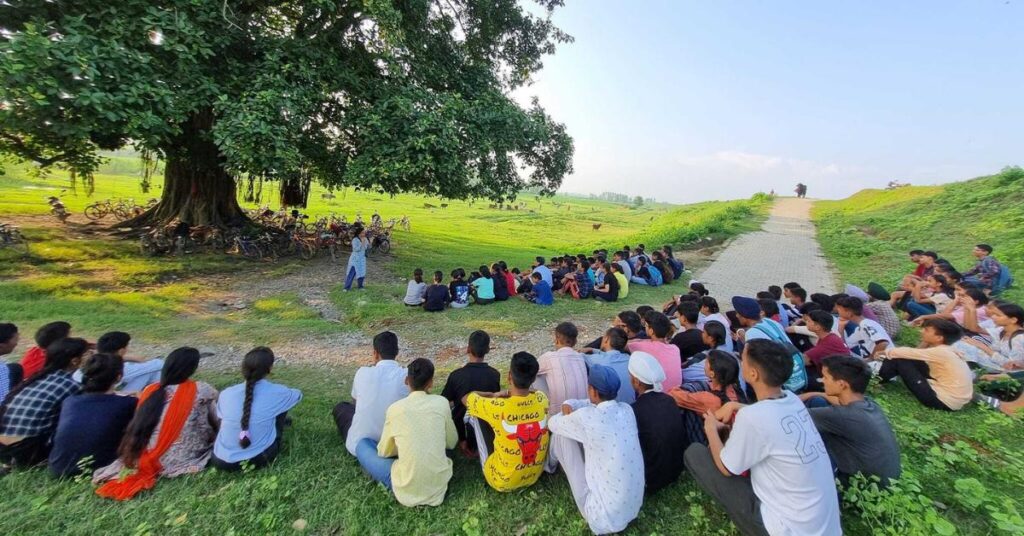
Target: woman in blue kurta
[357, 260]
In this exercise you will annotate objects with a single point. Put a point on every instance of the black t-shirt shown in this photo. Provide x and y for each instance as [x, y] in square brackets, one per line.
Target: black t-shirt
[690, 343]
[436, 298]
[613, 285]
[472, 377]
[662, 438]
[91, 424]
[500, 287]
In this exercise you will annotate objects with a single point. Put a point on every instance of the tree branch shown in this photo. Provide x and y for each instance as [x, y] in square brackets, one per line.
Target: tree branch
[25, 151]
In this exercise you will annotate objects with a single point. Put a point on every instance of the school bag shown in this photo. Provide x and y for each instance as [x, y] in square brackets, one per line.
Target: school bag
[798, 378]
[1003, 281]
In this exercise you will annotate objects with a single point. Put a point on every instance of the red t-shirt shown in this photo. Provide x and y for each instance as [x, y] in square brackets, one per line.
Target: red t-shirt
[920, 270]
[510, 282]
[33, 361]
[830, 344]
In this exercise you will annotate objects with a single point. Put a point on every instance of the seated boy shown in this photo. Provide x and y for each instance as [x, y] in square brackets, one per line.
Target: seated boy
[597, 444]
[864, 337]
[373, 390]
[474, 376]
[436, 296]
[820, 324]
[520, 417]
[138, 371]
[612, 354]
[934, 373]
[790, 489]
[540, 291]
[856, 432]
[418, 429]
[10, 373]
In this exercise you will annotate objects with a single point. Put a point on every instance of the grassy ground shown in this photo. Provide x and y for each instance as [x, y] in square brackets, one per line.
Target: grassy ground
[965, 466]
[98, 283]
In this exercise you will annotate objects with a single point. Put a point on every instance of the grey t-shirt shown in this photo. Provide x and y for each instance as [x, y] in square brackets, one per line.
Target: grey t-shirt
[859, 439]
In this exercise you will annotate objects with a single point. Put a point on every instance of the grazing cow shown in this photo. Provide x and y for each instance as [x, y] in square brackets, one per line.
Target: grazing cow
[444, 205]
[327, 195]
[597, 226]
[428, 205]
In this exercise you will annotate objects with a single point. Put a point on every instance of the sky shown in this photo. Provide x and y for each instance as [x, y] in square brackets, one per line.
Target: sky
[687, 101]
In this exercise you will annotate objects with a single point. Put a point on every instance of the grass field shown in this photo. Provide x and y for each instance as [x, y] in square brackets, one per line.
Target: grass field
[98, 283]
[963, 471]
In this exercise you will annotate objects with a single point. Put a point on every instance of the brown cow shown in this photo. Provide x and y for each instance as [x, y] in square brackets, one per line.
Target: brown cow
[597, 226]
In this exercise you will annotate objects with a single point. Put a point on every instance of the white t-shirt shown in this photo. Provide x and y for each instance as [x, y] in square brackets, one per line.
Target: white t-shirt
[862, 337]
[374, 389]
[789, 468]
[545, 274]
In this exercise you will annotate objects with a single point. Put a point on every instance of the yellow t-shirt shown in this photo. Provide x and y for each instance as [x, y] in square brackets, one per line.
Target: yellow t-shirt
[520, 438]
[623, 285]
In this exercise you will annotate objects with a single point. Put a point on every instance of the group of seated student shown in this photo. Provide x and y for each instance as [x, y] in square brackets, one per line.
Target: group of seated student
[80, 413]
[578, 276]
[623, 416]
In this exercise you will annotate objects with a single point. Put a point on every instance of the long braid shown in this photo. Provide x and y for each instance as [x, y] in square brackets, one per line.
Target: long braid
[244, 439]
[255, 366]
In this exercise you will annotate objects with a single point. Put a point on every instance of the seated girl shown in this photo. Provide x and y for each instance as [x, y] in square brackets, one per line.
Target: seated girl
[415, 289]
[697, 398]
[929, 296]
[501, 292]
[1006, 352]
[609, 291]
[171, 433]
[252, 415]
[29, 413]
[483, 287]
[92, 423]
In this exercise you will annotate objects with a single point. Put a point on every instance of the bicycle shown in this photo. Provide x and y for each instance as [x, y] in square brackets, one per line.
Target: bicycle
[11, 237]
[99, 210]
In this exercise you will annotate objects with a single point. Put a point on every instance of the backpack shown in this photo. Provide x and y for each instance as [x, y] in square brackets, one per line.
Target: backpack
[1003, 281]
[798, 378]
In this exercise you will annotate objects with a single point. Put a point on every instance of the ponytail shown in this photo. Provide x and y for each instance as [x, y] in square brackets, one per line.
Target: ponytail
[179, 366]
[727, 373]
[59, 356]
[255, 367]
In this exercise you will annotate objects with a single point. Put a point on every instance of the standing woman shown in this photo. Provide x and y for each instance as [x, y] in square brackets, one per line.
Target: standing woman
[29, 412]
[171, 433]
[252, 415]
[357, 260]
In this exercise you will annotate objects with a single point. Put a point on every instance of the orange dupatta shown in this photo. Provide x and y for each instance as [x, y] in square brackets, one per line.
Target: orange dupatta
[148, 466]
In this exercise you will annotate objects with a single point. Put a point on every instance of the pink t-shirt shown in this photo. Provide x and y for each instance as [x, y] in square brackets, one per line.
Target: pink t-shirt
[667, 356]
[958, 315]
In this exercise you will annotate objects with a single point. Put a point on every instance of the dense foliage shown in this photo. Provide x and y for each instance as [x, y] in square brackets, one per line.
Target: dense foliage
[387, 95]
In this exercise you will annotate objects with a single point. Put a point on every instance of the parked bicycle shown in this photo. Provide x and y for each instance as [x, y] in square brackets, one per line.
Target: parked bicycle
[57, 209]
[11, 237]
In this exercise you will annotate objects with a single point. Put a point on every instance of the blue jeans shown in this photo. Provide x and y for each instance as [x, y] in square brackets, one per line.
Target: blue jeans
[919, 309]
[351, 277]
[378, 468]
[817, 402]
[638, 280]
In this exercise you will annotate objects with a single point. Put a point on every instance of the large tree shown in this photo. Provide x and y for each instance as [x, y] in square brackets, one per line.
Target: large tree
[389, 95]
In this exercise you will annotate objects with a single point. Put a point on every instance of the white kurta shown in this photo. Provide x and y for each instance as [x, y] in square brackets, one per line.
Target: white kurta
[611, 491]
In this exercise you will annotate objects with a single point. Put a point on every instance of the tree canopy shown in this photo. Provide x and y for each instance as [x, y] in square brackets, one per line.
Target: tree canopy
[389, 95]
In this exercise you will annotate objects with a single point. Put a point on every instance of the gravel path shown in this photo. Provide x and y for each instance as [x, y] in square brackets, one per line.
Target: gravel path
[785, 249]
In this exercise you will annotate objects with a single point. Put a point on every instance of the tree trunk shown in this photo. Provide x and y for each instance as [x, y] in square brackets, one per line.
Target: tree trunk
[197, 188]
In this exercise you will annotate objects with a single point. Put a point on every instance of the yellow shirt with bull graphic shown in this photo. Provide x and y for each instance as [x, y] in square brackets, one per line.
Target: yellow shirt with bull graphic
[520, 438]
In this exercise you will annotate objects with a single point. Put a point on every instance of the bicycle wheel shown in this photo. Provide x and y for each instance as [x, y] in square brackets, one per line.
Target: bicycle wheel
[306, 251]
[94, 212]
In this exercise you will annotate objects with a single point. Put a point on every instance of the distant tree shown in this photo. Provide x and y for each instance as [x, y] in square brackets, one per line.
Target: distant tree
[638, 201]
[386, 95]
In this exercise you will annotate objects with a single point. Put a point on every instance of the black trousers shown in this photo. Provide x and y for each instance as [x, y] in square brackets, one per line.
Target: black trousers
[915, 375]
[343, 414]
[262, 459]
[733, 493]
[27, 452]
[16, 374]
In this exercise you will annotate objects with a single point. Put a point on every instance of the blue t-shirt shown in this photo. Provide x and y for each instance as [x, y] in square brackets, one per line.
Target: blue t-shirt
[484, 288]
[545, 274]
[268, 401]
[90, 424]
[654, 276]
[543, 291]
